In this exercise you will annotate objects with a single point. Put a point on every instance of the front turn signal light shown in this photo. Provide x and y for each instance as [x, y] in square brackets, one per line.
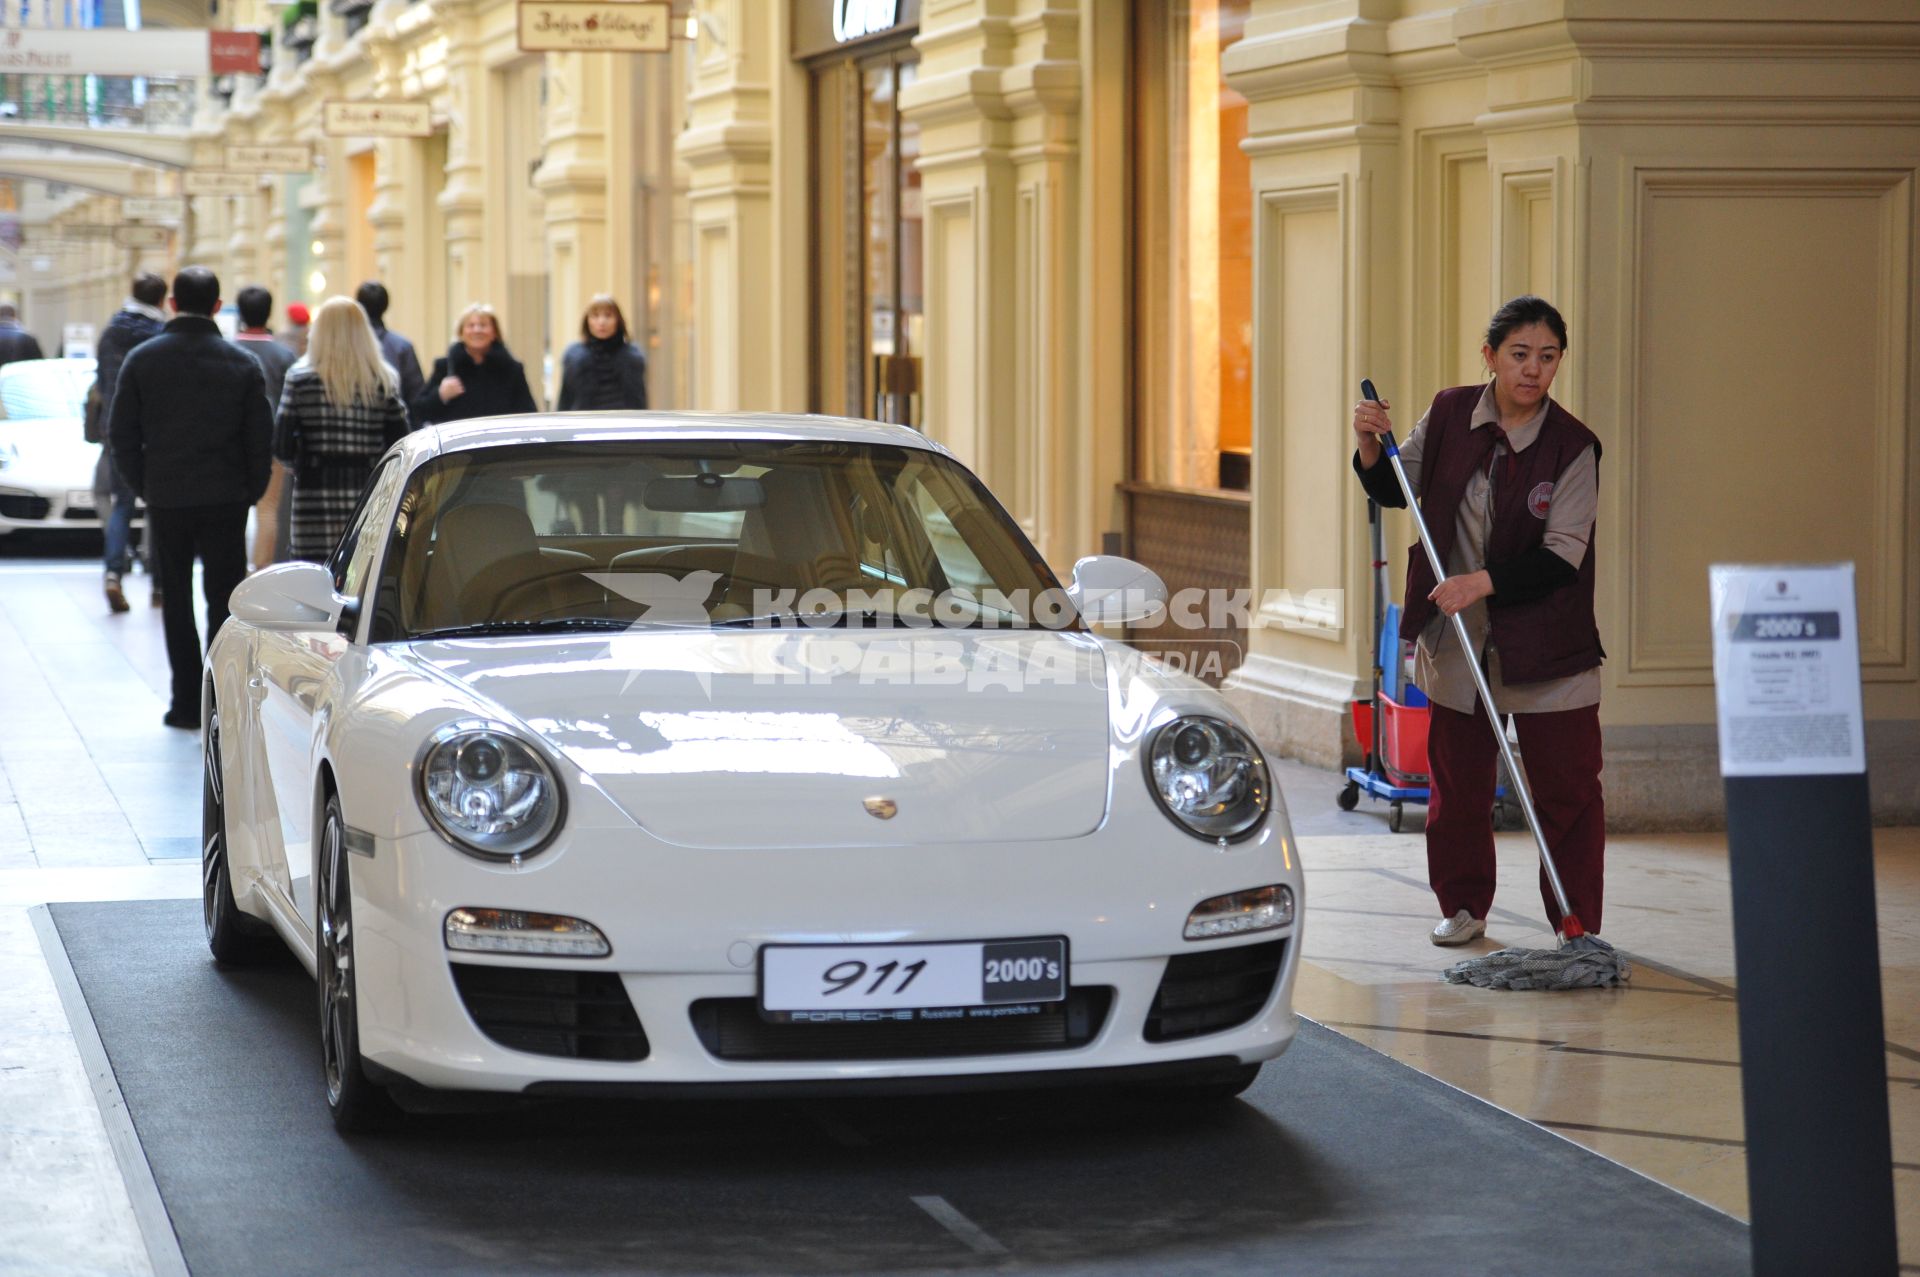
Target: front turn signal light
[552, 935]
[1261, 909]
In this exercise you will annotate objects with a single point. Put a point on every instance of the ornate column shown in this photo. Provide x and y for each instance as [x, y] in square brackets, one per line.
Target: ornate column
[469, 142]
[573, 178]
[1324, 148]
[745, 146]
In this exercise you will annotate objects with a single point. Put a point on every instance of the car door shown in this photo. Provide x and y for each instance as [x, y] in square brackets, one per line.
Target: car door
[295, 674]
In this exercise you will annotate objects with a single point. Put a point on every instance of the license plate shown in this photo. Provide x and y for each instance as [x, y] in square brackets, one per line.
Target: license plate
[899, 977]
[81, 497]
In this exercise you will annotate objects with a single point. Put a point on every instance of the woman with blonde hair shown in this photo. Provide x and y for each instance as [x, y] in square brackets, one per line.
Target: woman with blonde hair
[340, 409]
[477, 377]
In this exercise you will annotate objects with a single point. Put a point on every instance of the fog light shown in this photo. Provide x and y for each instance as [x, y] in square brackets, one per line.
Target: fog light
[1261, 909]
[511, 931]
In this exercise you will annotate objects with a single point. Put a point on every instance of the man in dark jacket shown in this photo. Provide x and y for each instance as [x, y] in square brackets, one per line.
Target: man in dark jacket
[394, 348]
[192, 434]
[15, 341]
[273, 517]
[138, 318]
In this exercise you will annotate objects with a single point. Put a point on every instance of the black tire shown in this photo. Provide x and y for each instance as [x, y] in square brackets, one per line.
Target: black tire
[1349, 797]
[235, 938]
[1396, 816]
[357, 1104]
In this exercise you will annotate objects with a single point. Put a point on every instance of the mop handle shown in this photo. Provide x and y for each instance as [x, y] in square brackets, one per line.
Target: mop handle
[1479, 676]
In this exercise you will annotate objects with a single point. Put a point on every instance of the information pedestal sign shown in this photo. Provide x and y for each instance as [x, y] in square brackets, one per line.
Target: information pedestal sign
[1786, 662]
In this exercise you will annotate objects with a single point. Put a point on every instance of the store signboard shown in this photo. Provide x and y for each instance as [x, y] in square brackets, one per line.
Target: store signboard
[219, 182]
[141, 236]
[594, 26]
[108, 51]
[1786, 670]
[377, 119]
[279, 158]
[831, 26]
[153, 208]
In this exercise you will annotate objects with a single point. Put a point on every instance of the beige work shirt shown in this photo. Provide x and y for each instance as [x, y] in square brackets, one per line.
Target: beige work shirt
[1439, 667]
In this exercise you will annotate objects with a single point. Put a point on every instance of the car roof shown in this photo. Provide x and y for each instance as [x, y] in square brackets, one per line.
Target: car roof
[583, 427]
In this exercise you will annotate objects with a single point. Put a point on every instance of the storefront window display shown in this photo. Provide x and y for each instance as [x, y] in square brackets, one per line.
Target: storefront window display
[1194, 248]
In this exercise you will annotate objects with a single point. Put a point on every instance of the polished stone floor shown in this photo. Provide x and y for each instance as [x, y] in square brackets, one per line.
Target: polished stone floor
[98, 801]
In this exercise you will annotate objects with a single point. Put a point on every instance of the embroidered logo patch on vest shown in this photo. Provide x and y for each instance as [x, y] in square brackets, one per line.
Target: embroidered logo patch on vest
[1539, 499]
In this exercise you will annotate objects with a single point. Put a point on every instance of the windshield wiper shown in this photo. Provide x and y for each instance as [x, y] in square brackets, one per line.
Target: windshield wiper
[546, 625]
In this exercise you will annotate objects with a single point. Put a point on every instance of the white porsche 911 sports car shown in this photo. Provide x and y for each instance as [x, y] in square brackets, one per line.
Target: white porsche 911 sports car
[666, 754]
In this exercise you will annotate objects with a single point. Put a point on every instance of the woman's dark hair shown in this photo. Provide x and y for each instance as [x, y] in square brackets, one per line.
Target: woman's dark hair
[1522, 312]
[604, 301]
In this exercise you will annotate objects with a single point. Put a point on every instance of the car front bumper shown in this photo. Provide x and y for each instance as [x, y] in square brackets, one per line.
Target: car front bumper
[686, 928]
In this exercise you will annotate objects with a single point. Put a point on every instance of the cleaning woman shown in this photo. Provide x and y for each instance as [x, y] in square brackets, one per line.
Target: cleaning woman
[1509, 483]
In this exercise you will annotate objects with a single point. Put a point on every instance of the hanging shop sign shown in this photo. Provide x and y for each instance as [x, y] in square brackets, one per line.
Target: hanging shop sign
[153, 208]
[282, 158]
[220, 182]
[377, 119]
[594, 26]
[106, 51]
[141, 236]
[829, 26]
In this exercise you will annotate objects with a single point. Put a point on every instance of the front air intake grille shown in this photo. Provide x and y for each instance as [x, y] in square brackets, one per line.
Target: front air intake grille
[580, 1015]
[24, 505]
[1213, 991]
[731, 1029]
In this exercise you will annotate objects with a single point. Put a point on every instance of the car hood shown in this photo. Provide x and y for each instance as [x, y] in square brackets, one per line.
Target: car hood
[46, 454]
[781, 738]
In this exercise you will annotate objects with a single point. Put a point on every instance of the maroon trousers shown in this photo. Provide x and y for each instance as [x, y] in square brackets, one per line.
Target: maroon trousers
[1561, 755]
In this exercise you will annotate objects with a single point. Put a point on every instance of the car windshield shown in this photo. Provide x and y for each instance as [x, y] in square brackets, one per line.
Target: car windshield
[596, 535]
[40, 389]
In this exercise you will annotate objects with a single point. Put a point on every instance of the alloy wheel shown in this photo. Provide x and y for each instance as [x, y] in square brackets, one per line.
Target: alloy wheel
[336, 955]
[213, 828]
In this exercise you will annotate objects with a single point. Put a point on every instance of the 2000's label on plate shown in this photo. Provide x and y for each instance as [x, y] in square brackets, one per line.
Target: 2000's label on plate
[896, 977]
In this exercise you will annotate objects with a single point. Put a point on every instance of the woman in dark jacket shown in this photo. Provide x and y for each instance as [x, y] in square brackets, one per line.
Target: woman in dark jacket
[603, 369]
[478, 376]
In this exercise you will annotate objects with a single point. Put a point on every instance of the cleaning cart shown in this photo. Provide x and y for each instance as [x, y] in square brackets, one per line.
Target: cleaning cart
[1391, 726]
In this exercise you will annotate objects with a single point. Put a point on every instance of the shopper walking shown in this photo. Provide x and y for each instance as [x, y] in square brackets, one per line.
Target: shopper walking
[193, 435]
[603, 369]
[15, 341]
[294, 335]
[394, 348]
[271, 518]
[340, 411]
[138, 318]
[1509, 483]
[478, 376]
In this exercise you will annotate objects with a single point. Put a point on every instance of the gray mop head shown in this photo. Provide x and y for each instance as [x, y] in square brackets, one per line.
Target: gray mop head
[1586, 962]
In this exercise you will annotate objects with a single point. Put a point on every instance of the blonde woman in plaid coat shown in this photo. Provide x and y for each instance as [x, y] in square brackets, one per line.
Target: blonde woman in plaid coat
[339, 411]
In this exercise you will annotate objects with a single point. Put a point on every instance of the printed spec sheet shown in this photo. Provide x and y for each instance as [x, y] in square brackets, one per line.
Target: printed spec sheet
[1786, 667]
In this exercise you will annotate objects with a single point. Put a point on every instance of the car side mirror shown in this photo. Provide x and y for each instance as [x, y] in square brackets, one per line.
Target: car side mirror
[288, 596]
[1110, 590]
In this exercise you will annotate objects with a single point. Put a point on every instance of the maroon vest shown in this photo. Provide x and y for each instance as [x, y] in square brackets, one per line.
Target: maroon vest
[1545, 638]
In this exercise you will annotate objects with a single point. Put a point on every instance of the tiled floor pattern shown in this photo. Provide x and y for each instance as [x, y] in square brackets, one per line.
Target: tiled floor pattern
[98, 801]
[1648, 1075]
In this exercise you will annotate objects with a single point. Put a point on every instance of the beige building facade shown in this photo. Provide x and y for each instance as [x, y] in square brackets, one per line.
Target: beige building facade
[1131, 258]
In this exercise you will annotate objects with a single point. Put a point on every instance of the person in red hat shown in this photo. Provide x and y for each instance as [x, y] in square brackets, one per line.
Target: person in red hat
[294, 335]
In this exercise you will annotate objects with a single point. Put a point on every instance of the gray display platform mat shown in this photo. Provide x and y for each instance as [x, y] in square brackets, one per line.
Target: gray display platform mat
[1339, 1161]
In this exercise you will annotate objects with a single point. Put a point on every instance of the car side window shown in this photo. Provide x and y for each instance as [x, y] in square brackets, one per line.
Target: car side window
[353, 557]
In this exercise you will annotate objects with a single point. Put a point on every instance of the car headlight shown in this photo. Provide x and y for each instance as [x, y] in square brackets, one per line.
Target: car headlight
[1209, 776]
[488, 792]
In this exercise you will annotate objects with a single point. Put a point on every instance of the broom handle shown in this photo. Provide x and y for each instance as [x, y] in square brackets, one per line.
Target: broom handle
[1479, 675]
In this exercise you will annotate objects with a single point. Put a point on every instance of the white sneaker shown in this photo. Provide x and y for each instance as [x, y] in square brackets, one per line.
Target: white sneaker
[1459, 929]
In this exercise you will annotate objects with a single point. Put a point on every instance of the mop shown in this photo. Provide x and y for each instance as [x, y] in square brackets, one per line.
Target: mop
[1582, 961]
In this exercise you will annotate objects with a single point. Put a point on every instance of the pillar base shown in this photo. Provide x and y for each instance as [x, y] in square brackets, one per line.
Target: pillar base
[1296, 711]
